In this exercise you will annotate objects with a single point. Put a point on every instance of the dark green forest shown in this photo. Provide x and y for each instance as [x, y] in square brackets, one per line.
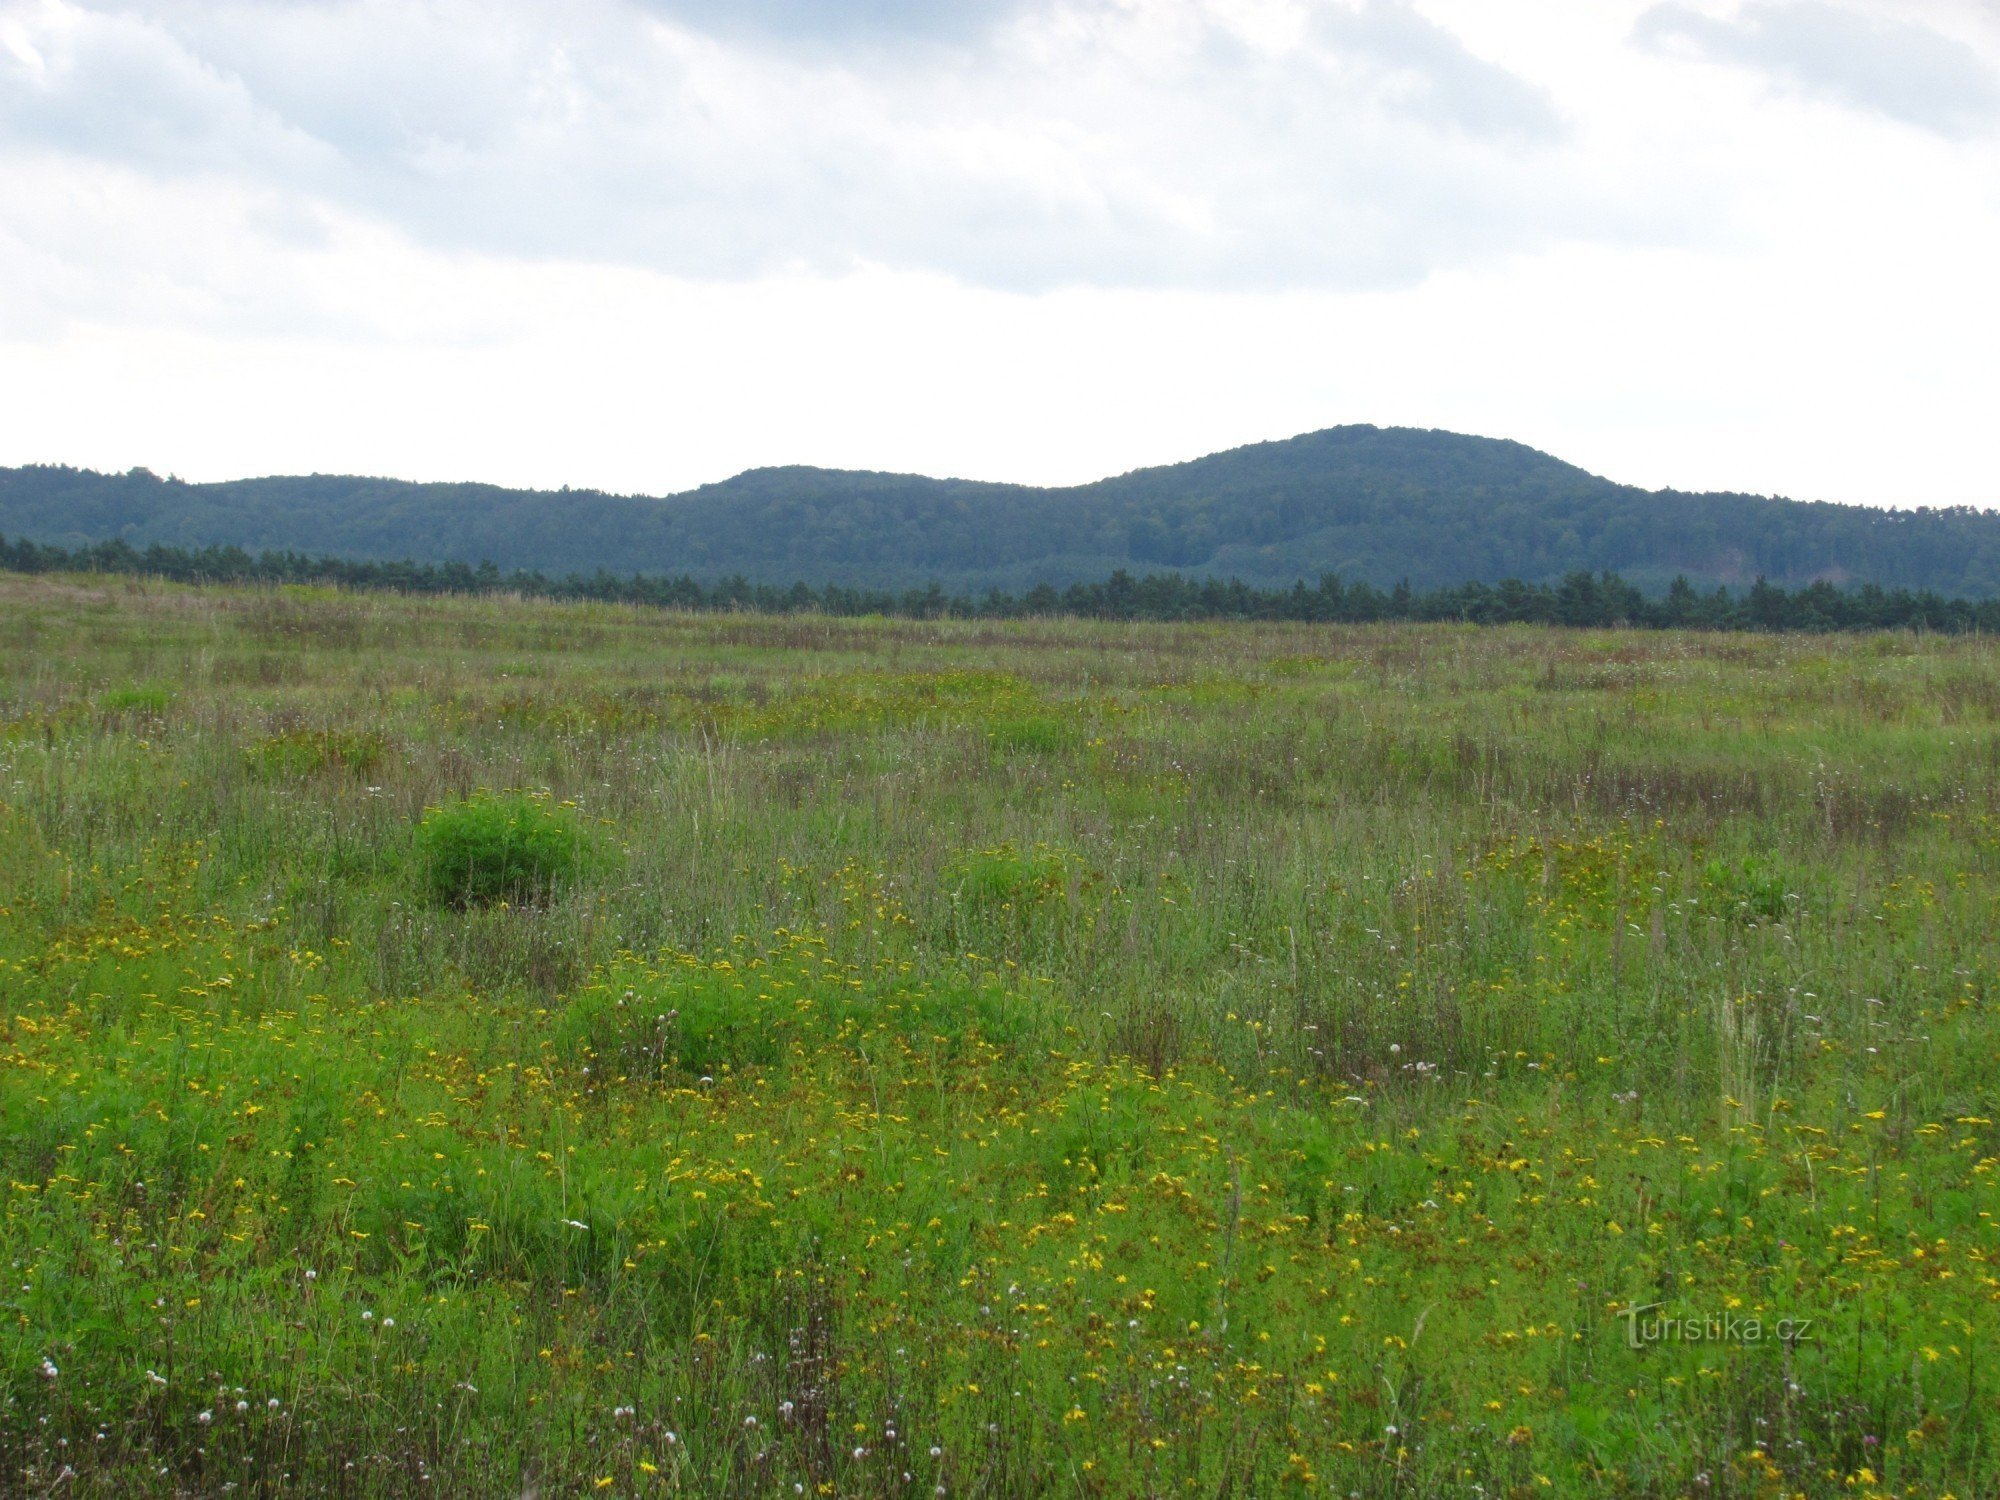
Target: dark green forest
[1371, 505]
[1579, 600]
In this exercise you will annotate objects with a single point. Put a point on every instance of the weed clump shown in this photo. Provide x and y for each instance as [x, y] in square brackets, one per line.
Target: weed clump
[1751, 889]
[146, 698]
[299, 753]
[1031, 735]
[492, 848]
[1007, 879]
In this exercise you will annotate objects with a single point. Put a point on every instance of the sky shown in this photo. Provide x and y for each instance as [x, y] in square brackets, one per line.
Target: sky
[639, 245]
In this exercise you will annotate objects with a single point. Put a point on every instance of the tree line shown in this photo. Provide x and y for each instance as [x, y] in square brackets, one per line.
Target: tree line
[1361, 502]
[1579, 600]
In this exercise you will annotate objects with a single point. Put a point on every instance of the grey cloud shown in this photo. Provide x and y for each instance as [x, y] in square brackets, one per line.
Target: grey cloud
[1447, 84]
[1907, 72]
[146, 104]
[807, 22]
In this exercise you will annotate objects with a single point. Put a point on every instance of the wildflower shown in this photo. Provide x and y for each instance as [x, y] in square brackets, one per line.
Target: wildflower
[205, 1417]
[49, 1370]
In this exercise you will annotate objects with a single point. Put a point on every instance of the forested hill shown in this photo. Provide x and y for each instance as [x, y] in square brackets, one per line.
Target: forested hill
[1374, 504]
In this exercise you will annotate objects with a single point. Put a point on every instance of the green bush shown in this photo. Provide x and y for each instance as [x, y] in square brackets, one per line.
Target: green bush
[501, 848]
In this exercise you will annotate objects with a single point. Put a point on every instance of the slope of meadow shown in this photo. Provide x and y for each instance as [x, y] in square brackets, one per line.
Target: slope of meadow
[992, 1059]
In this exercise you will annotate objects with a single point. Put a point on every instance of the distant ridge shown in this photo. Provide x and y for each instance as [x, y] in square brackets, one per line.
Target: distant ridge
[1375, 504]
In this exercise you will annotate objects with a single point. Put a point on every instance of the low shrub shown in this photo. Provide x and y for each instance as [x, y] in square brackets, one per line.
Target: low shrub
[492, 848]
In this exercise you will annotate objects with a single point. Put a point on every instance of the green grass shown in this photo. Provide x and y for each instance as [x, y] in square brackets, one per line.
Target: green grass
[1029, 1059]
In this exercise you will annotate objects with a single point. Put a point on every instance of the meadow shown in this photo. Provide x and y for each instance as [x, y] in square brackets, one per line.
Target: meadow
[989, 1058]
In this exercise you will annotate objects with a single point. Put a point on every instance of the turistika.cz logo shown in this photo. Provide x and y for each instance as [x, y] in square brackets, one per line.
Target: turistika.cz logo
[1711, 1328]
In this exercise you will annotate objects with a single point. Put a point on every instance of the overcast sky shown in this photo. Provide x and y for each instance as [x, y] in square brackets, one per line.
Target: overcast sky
[642, 244]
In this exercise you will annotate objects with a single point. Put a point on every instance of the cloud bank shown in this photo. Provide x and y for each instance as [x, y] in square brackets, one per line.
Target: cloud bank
[1024, 144]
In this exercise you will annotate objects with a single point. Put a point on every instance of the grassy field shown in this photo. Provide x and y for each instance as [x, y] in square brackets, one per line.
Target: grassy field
[1043, 1059]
